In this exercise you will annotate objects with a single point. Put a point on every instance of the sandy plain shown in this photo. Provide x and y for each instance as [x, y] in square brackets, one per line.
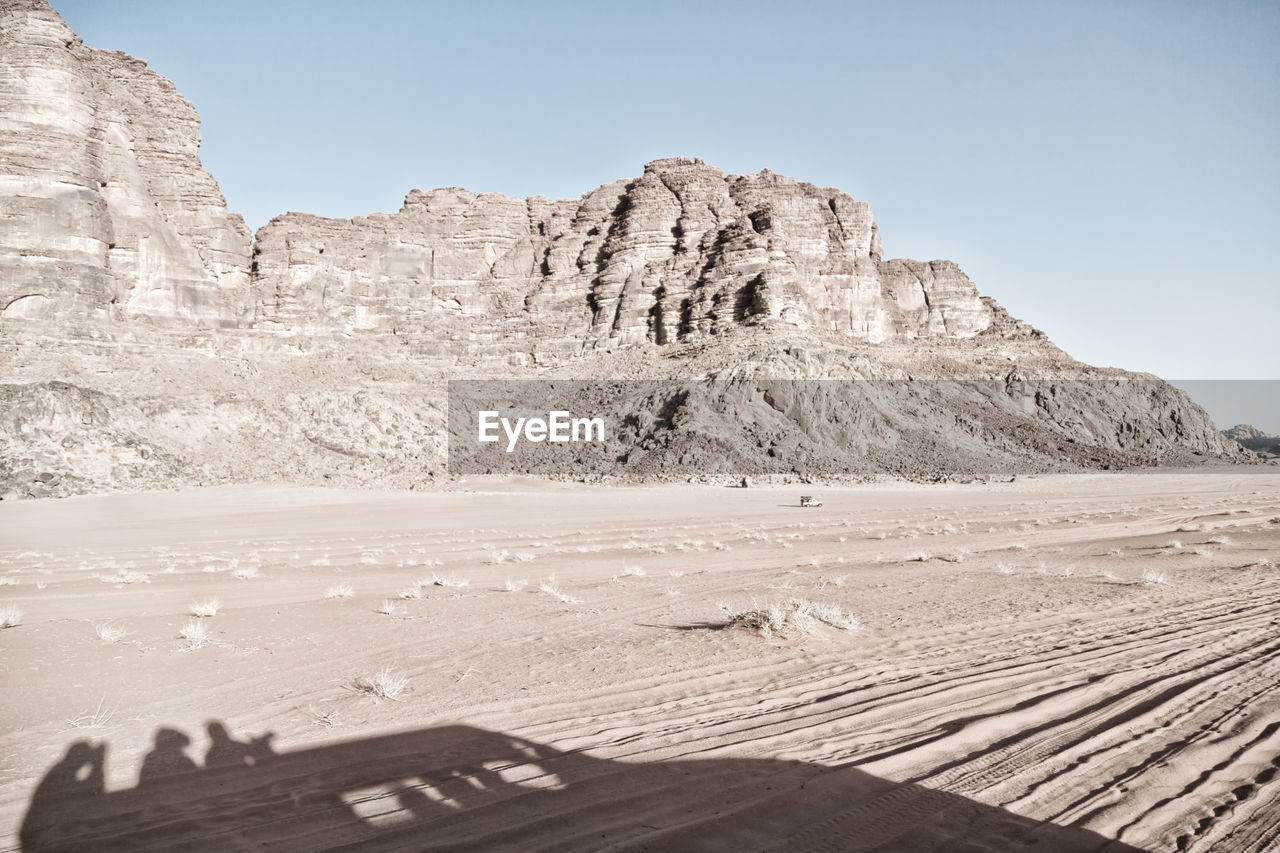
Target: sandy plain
[1072, 663]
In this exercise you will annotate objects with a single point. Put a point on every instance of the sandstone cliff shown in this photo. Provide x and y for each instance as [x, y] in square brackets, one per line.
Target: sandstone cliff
[106, 211]
[680, 253]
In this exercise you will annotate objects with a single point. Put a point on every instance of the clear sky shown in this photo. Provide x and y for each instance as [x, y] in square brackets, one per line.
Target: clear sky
[1109, 171]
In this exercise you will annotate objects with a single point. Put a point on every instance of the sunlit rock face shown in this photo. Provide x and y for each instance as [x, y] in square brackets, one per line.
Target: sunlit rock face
[679, 253]
[108, 214]
[105, 210]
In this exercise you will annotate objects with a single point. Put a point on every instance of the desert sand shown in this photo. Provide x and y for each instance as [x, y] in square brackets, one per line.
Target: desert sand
[1076, 662]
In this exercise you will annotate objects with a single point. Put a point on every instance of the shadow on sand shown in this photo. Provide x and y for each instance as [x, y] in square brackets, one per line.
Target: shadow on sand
[462, 788]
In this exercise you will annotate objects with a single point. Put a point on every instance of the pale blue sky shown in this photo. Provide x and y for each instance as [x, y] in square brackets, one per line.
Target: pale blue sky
[1107, 171]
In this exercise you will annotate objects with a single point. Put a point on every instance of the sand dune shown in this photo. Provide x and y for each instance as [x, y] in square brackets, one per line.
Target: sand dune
[1065, 663]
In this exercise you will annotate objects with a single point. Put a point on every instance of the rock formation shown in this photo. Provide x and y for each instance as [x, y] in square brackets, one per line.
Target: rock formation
[106, 210]
[146, 346]
[678, 254]
[1254, 439]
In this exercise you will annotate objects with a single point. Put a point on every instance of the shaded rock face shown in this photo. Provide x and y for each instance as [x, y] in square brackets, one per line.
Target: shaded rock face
[106, 209]
[680, 253]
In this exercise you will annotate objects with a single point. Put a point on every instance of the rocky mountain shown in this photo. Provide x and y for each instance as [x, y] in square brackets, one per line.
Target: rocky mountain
[680, 253]
[148, 342]
[1253, 438]
[106, 210]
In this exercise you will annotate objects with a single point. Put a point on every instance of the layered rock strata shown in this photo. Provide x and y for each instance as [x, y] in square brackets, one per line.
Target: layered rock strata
[680, 253]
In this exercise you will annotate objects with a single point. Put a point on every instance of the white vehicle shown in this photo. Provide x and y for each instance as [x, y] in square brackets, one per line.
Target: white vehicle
[809, 500]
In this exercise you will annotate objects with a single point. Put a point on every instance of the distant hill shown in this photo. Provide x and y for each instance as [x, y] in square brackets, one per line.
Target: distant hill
[1254, 439]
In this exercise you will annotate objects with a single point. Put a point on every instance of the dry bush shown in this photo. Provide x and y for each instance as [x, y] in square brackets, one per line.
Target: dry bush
[196, 633]
[388, 607]
[10, 616]
[340, 590]
[449, 580]
[206, 608]
[551, 588]
[1154, 576]
[796, 616]
[95, 719]
[126, 576]
[245, 573]
[109, 632]
[513, 585]
[386, 683]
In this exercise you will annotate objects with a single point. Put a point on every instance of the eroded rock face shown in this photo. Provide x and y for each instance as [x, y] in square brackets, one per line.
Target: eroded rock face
[679, 253]
[106, 209]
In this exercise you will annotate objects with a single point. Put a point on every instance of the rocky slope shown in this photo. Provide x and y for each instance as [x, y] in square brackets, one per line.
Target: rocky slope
[146, 344]
[106, 210]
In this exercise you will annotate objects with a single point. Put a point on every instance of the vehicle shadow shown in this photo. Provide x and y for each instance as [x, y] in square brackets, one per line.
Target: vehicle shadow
[464, 788]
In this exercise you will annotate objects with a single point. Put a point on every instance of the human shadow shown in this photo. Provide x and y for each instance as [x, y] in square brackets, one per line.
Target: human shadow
[464, 788]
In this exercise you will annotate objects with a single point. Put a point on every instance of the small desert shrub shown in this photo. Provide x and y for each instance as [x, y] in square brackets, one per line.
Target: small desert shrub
[1202, 552]
[322, 717]
[513, 585]
[1005, 568]
[386, 683]
[388, 607]
[1218, 540]
[449, 580]
[126, 576]
[796, 616]
[957, 557]
[95, 719]
[1154, 576]
[196, 633]
[1187, 528]
[411, 592]
[109, 632]
[1173, 543]
[244, 573]
[551, 588]
[1115, 552]
[206, 608]
[340, 590]
[918, 557]
[10, 616]
[633, 571]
